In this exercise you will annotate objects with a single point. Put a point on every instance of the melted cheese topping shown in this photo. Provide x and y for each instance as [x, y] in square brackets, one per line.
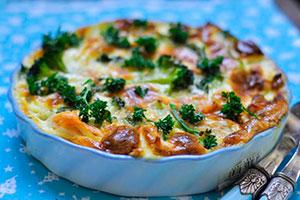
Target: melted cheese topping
[245, 70]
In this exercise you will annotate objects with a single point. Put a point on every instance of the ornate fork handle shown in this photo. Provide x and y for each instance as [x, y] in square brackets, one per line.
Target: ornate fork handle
[254, 181]
[280, 188]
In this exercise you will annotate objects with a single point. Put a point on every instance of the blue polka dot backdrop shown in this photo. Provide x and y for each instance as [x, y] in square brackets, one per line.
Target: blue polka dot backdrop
[23, 23]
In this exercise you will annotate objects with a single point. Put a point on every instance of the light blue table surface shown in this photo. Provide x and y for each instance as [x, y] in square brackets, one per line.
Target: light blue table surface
[23, 23]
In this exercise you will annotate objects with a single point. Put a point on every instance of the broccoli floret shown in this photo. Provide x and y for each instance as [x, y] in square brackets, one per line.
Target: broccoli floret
[112, 36]
[166, 61]
[178, 34]
[138, 61]
[51, 61]
[148, 43]
[183, 125]
[210, 66]
[211, 71]
[114, 85]
[54, 47]
[180, 78]
[140, 23]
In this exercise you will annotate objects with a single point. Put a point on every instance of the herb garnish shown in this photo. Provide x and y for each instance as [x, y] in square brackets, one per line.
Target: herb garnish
[138, 114]
[138, 61]
[187, 112]
[178, 34]
[112, 36]
[208, 140]
[99, 112]
[165, 125]
[114, 85]
[59, 84]
[82, 101]
[233, 107]
[148, 43]
[140, 91]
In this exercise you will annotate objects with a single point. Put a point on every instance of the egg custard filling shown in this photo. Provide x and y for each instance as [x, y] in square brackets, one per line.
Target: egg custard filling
[151, 89]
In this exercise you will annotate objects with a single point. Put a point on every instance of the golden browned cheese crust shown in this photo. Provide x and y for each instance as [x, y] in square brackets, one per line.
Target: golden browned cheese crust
[244, 70]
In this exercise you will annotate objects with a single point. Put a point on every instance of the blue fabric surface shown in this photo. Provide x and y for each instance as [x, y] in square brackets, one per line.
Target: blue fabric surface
[23, 23]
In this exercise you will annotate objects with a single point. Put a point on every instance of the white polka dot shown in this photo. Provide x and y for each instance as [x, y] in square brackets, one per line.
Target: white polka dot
[271, 32]
[296, 43]
[3, 90]
[286, 56]
[15, 21]
[33, 29]
[9, 66]
[207, 8]
[249, 24]
[35, 44]
[78, 18]
[252, 12]
[267, 49]
[153, 6]
[293, 32]
[36, 12]
[6, 79]
[8, 106]
[294, 77]
[18, 39]
[1, 57]
[68, 27]
[136, 14]
[253, 38]
[4, 30]
[278, 19]
[50, 21]
[265, 3]
[169, 17]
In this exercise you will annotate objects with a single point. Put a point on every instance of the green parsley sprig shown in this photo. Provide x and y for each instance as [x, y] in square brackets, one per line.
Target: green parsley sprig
[114, 85]
[187, 112]
[233, 106]
[140, 91]
[208, 140]
[165, 125]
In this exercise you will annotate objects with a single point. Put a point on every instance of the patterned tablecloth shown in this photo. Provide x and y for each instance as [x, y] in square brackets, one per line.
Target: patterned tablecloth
[22, 24]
